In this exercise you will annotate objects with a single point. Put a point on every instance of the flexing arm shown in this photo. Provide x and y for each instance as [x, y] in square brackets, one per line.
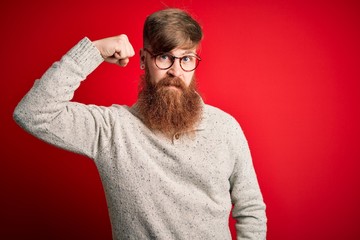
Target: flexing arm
[46, 110]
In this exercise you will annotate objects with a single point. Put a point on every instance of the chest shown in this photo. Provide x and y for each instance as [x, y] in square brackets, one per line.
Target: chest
[147, 162]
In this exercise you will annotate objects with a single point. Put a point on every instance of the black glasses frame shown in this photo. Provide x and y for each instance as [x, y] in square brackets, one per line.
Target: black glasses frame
[173, 58]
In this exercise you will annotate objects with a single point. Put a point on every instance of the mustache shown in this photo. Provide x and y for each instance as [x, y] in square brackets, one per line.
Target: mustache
[171, 82]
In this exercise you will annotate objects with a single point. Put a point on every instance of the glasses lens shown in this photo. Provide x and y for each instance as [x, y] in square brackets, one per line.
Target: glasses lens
[189, 63]
[164, 61]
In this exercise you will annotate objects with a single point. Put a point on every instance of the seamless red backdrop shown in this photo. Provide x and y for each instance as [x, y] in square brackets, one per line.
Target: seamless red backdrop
[288, 72]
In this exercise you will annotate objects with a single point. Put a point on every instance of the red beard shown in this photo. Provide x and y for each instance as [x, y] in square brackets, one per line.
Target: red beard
[169, 106]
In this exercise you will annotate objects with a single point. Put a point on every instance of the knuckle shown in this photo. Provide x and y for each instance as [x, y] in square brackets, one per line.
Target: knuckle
[123, 37]
[122, 40]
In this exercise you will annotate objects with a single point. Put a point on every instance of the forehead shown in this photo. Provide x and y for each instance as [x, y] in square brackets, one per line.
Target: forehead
[183, 51]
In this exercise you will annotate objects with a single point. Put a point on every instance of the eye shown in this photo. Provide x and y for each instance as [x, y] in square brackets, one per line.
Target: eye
[164, 57]
[188, 59]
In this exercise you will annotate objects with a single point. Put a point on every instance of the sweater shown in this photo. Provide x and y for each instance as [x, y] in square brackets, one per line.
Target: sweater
[155, 187]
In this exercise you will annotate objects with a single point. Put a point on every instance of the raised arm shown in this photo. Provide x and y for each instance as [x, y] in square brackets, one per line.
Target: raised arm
[46, 110]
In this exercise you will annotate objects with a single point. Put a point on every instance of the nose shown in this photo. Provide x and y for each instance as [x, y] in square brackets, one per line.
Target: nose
[175, 70]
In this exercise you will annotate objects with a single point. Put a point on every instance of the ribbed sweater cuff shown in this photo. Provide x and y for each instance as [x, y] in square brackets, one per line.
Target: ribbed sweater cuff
[86, 55]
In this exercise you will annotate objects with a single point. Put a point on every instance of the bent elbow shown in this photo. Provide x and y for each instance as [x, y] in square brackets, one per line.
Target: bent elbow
[28, 116]
[21, 116]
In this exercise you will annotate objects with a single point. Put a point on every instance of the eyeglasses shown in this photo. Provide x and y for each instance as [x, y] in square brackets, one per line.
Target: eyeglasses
[164, 61]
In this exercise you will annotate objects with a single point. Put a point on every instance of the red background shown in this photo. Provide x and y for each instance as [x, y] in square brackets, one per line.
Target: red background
[288, 72]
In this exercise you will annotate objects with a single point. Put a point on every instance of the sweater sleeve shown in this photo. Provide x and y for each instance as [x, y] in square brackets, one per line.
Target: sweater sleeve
[249, 207]
[46, 110]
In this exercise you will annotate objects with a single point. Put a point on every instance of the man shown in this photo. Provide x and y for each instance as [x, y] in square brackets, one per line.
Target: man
[172, 167]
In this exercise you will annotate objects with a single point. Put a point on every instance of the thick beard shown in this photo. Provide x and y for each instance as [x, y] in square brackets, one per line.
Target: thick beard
[167, 110]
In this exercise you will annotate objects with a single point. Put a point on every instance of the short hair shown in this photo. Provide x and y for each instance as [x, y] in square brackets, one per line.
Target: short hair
[170, 28]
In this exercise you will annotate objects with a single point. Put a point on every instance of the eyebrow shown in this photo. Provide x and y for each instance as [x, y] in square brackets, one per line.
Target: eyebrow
[189, 51]
[185, 53]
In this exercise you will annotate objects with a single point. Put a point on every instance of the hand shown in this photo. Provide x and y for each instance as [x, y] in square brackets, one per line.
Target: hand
[116, 49]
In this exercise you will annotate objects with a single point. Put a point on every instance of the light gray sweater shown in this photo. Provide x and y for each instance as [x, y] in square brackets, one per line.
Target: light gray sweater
[156, 188]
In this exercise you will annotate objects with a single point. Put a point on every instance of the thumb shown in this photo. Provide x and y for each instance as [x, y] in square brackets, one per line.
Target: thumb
[123, 62]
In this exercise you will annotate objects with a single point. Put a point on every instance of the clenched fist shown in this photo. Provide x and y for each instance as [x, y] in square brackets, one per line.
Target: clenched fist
[116, 49]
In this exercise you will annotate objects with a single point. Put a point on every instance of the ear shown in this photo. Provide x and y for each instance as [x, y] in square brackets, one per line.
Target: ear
[142, 59]
[142, 56]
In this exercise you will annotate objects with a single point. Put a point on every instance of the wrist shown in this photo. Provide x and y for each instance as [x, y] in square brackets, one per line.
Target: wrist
[86, 55]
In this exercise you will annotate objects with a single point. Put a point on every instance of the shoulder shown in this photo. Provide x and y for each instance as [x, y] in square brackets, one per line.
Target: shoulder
[215, 115]
[224, 126]
[222, 123]
[121, 111]
[126, 115]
